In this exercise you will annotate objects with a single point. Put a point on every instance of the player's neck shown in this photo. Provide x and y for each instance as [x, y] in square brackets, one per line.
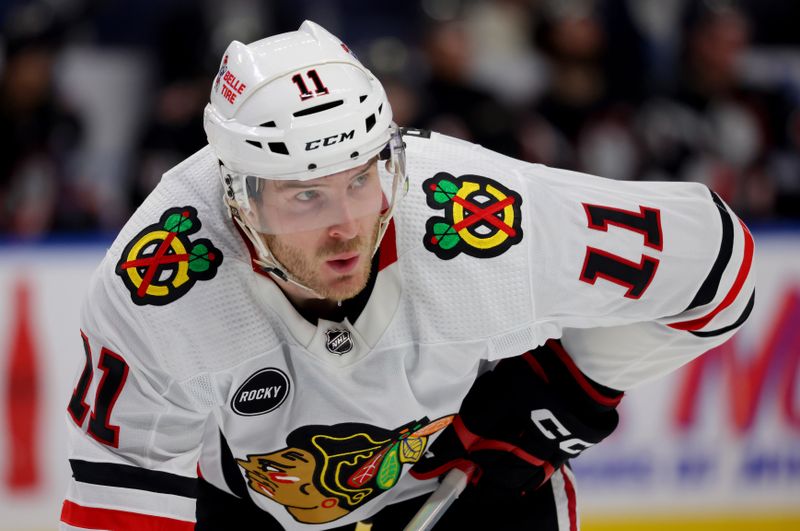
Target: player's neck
[313, 308]
[307, 303]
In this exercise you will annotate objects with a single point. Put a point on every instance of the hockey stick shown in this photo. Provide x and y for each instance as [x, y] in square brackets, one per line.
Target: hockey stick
[442, 498]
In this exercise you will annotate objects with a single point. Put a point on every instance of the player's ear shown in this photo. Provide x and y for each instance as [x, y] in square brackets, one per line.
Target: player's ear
[253, 214]
[255, 200]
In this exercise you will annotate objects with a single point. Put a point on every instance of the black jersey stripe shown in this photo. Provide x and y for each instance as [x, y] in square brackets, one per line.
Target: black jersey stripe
[133, 477]
[708, 290]
[742, 318]
[230, 470]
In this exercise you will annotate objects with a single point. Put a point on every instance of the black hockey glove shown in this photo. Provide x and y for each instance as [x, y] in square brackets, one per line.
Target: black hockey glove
[521, 422]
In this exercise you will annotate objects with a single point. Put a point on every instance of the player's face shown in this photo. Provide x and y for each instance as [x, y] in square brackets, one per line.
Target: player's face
[334, 256]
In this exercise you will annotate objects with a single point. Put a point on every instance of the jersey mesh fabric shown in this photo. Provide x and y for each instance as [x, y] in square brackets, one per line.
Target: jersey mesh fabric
[452, 316]
[439, 303]
[194, 333]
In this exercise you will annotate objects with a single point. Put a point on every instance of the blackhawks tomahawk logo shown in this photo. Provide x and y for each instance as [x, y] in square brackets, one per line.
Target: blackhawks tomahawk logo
[161, 264]
[481, 216]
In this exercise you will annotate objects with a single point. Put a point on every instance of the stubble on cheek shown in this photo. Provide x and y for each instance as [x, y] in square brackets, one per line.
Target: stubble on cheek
[308, 268]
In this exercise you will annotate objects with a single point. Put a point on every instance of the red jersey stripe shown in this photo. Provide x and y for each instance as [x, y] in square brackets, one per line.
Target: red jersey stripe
[116, 520]
[741, 276]
[598, 397]
[569, 489]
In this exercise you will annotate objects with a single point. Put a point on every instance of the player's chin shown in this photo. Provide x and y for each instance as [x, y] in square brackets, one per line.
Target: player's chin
[345, 287]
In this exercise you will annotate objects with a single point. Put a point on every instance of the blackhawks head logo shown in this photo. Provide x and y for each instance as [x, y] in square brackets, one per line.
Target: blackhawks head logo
[325, 472]
[481, 216]
[161, 263]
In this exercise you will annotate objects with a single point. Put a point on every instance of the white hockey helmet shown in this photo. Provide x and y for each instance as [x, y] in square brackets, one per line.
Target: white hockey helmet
[295, 107]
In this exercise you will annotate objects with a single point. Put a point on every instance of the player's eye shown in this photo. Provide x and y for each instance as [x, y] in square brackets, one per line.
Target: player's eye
[306, 195]
[359, 181]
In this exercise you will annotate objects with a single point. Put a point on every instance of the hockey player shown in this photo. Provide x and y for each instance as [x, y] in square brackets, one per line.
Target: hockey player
[315, 316]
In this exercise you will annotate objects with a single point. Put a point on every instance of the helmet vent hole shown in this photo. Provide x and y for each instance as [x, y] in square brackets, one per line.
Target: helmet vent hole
[362, 98]
[255, 143]
[380, 108]
[354, 155]
[312, 166]
[278, 147]
[318, 108]
[268, 124]
[370, 121]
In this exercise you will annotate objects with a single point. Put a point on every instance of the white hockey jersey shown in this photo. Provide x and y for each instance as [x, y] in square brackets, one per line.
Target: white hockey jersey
[487, 258]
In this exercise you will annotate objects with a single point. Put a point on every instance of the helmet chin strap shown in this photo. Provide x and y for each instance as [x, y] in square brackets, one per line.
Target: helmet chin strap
[264, 256]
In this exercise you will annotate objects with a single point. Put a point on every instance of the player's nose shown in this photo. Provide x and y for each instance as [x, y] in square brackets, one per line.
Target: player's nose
[346, 225]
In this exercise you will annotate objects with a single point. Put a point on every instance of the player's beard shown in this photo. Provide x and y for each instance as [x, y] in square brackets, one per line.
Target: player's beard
[308, 270]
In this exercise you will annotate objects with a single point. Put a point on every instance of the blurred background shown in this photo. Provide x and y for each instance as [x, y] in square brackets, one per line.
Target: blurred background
[98, 98]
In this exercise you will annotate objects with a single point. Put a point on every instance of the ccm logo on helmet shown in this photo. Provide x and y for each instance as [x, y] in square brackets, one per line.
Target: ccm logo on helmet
[263, 392]
[330, 140]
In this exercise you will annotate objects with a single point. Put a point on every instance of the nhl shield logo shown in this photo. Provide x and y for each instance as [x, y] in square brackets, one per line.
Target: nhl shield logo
[338, 341]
